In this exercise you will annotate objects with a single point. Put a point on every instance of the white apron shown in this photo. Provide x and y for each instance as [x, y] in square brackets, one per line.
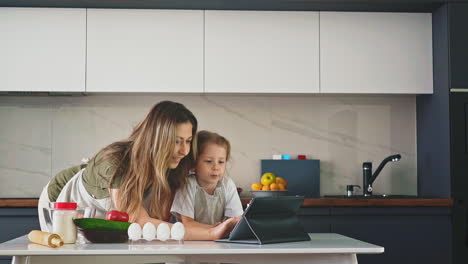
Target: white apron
[74, 191]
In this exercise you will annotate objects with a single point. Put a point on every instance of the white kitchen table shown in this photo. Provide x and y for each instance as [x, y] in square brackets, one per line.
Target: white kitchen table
[323, 248]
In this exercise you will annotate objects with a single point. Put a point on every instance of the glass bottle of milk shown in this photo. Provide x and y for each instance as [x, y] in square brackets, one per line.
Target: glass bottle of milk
[62, 221]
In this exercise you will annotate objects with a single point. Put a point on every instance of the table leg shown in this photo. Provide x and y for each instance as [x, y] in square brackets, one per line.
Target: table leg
[20, 260]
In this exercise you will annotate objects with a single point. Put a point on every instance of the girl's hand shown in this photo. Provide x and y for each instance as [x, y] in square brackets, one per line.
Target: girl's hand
[223, 229]
[236, 219]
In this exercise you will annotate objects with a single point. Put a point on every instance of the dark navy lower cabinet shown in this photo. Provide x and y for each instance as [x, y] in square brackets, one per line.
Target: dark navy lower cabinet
[15, 222]
[409, 235]
[315, 220]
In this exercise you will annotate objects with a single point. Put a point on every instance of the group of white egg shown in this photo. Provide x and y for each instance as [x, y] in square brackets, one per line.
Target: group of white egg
[150, 232]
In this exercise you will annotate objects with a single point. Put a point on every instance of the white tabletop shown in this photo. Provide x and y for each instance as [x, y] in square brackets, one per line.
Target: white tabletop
[320, 244]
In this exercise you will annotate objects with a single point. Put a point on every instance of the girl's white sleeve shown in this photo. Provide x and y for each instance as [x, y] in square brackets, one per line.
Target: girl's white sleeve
[183, 203]
[233, 206]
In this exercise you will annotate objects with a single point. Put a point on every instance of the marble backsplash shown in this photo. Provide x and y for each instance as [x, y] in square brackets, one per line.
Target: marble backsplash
[39, 136]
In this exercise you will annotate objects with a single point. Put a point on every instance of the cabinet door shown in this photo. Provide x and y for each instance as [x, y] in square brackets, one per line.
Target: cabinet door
[376, 53]
[15, 222]
[261, 52]
[144, 50]
[458, 19]
[422, 237]
[42, 49]
[459, 170]
[459, 144]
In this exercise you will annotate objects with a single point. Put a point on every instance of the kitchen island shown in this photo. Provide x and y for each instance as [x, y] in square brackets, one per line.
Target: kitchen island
[323, 248]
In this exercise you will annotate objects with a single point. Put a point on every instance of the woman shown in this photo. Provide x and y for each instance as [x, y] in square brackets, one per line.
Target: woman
[138, 175]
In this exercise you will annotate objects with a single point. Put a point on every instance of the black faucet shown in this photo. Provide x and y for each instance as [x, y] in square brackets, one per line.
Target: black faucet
[369, 178]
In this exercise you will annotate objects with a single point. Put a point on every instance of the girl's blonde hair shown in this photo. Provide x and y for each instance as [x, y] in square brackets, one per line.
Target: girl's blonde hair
[206, 137]
[144, 158]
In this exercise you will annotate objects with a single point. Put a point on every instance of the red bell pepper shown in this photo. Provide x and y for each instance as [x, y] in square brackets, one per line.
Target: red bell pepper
[115, 215]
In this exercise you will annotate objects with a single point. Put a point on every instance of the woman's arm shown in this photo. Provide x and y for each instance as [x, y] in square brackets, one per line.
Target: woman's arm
[141, 216]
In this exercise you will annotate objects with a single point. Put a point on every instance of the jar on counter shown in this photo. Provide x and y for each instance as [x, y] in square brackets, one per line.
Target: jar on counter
[62, 221]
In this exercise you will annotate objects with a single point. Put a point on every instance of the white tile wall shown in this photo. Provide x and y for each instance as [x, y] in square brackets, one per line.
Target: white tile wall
[39, 136]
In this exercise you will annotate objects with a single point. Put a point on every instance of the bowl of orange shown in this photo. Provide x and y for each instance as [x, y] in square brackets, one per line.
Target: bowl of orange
[269, 193]
[270, 186]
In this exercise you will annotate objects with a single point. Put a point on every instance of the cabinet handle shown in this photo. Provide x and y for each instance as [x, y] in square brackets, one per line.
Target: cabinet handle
[459, 90]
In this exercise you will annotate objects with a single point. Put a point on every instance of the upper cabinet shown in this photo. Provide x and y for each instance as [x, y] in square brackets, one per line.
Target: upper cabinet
[144, 50]
[458, 20]
[196, 51]
[376, 52]
[261, 52]
[42, 49]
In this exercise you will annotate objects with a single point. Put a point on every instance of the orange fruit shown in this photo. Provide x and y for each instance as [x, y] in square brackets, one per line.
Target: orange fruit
[282, 181]
[265, 188]
[274, 187]
[257, 186]
[281, 187]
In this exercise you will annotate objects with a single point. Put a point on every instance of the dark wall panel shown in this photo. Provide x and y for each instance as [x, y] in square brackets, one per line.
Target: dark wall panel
[432, 111]
[458, 19]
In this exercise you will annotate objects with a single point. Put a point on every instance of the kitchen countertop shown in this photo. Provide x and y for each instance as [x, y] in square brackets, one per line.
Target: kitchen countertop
[308, 202]
[320, 243]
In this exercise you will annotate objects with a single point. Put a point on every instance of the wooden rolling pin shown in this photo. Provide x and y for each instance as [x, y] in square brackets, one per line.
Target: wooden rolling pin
[45, 239]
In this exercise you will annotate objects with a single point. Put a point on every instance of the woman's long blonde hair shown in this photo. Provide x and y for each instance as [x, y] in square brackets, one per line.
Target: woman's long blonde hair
[144, 158]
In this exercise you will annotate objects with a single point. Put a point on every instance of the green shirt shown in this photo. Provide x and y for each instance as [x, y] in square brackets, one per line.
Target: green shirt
[96, 178]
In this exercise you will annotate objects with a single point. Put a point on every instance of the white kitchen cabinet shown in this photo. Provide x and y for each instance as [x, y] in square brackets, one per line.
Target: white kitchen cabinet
[261, 52]
[144, 50]
[381, 53]
[42, 49]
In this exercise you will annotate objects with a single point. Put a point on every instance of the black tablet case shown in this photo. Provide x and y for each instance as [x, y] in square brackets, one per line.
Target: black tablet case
[269, 220]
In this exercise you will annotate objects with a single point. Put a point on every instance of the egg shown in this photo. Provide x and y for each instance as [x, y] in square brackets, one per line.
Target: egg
[163, 232]
[134, 231]
[177, 231]
[149, 231]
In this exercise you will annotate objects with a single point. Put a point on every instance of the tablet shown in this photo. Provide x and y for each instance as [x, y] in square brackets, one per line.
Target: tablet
[269, 220]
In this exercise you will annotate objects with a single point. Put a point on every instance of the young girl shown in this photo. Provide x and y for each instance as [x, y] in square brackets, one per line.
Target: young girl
[209, 197]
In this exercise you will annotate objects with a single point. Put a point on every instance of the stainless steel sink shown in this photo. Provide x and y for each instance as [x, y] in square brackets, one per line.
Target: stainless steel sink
[376, 196]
